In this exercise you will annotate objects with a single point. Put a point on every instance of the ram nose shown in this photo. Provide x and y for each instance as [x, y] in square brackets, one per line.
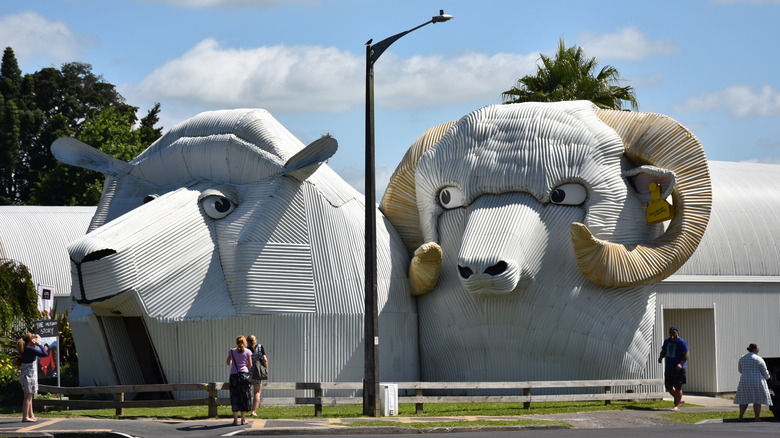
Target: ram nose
[493, 270]
[497, 278]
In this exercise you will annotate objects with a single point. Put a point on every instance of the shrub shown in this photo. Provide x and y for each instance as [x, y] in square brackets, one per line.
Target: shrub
[10, 389]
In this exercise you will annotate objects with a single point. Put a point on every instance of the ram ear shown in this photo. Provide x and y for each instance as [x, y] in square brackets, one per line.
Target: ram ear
[425, 268]
[303, 164]
[641, 177]
[76, 153]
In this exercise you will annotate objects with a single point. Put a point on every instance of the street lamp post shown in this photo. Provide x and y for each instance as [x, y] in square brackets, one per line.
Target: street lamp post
[371, 320]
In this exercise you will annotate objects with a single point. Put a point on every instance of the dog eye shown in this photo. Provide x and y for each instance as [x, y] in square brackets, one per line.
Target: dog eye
[569, 194]
[217, 207]
[450, 197]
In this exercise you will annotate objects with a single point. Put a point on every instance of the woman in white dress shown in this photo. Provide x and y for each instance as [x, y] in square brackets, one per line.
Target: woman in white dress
[752, 386]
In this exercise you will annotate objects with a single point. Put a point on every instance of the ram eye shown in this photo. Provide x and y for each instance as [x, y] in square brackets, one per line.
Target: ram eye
[150, 198]
[450, 197]
[217, 207]
[569, 194]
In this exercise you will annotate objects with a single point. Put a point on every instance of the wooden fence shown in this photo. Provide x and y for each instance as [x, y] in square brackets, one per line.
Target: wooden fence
[446, 392]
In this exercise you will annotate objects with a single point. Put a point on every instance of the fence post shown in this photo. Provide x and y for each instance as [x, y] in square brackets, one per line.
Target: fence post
[212, 402]
[418, 407]
[120, 397]
[318, 404]
[527, 392]
[607, 390]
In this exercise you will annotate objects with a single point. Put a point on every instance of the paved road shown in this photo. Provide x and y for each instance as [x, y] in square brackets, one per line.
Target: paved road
[604, 424]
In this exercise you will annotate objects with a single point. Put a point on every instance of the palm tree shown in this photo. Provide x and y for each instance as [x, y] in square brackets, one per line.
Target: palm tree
[570, 76]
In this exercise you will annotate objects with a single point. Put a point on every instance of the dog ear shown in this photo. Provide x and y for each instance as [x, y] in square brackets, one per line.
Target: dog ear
[303, 164]
[76, 153]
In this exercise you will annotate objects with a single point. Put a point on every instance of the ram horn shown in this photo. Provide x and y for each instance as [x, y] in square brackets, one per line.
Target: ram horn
[399, 205]
[662, 142]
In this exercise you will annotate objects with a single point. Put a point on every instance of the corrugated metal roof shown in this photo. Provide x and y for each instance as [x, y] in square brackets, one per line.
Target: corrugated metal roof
[36, 236]
[742, 236]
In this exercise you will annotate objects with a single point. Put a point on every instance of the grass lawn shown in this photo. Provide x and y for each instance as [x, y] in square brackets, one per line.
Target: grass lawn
[408, 410]
[353, 411]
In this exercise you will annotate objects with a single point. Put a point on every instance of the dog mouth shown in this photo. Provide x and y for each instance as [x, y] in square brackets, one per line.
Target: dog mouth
[102, 275]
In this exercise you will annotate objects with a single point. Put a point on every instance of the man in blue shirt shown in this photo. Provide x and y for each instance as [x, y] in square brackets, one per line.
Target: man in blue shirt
[675, 350]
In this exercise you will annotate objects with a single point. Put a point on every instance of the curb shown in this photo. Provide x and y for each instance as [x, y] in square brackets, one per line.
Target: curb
[391, 430]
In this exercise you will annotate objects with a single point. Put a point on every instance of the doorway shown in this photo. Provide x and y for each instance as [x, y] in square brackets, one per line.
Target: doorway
[697, 328]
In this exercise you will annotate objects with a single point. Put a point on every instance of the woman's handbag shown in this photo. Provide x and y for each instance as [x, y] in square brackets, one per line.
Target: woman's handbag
[243, 378]
[259, 372]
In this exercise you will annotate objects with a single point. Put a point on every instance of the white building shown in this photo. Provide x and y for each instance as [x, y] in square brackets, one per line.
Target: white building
[36, 236]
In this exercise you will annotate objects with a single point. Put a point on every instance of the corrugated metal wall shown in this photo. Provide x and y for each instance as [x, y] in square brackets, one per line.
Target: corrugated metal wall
[719, 320]
[36, 236]
[300, 347]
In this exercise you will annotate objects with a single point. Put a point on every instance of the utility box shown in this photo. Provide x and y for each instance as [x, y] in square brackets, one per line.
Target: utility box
[388, 399]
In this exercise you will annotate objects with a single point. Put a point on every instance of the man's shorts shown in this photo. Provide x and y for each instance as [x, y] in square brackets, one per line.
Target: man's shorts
[674, 378]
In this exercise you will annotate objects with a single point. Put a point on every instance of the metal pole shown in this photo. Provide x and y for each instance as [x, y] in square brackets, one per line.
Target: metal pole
[371, 318]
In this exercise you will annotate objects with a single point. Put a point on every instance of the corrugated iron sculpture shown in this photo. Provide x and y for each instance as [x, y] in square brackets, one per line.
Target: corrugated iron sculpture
[228, 225]
[533, 255]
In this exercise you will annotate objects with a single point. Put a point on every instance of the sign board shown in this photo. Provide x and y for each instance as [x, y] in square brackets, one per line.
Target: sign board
[48, 330]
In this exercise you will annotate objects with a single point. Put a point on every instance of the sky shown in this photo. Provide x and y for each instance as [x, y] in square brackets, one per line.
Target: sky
[712, 65]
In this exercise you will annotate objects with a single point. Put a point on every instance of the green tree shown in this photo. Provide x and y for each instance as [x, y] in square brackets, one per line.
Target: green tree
[9, 150]
[18, 299]
[570, 75]
[110, 130]
[38, 108]
[10, 128]
[10, 74]
[147, 133]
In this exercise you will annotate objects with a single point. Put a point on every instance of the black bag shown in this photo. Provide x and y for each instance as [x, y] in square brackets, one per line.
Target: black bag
[243, 379]
[259, 372]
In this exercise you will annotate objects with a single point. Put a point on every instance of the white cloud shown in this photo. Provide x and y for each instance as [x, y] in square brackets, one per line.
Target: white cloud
[628, 43]
[33, 37]
[231, 4]
[326, 79]
[741, 101]
[282, 78]
[443, 80]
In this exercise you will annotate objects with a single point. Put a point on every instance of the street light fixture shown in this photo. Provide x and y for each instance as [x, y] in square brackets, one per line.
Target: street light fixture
[371, 320]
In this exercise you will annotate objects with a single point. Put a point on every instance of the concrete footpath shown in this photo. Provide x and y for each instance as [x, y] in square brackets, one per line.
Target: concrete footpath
[12, 426]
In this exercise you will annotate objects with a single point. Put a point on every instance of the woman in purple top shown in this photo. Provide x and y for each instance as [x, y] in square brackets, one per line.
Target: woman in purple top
[30, 349]
[240, 361]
